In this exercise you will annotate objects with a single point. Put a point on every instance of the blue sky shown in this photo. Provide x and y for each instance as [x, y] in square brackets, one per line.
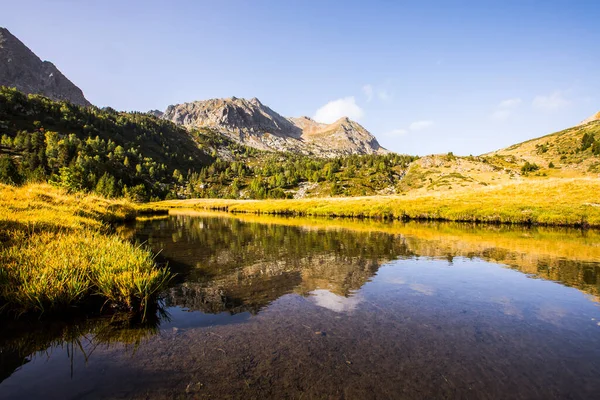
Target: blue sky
[423, 76]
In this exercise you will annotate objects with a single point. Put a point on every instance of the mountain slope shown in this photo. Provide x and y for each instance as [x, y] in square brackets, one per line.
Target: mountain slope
[86, 148]
[571, 152]
[22, 69]
[251, 123]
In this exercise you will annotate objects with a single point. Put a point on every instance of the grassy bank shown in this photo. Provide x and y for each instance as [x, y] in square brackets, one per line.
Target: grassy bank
[560, 202]
[57, 252]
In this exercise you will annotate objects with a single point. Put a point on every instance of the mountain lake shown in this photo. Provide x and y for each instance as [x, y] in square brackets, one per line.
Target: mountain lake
[272, 307]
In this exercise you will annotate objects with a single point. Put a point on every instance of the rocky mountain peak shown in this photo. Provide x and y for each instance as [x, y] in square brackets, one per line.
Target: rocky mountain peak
[252, 123]
[22, 69]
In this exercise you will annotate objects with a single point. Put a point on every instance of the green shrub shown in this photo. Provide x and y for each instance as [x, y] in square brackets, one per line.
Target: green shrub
[529, 167]
[9, 174]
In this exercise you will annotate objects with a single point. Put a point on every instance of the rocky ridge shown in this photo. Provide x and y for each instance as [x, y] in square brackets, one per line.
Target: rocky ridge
[22, 69]
[252, 123]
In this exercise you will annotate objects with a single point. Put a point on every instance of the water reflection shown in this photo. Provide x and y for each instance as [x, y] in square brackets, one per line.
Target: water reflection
[243, 263]
[23, 341]
[286, 308]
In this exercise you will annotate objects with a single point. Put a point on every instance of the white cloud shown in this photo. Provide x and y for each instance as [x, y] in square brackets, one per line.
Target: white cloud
[337, 109]
[371, 92]
[368, 91]
[420, 125]
[415, 126]
[505, 109]
[553, 102]
[384, 95]
[510, 103]
[397, 132]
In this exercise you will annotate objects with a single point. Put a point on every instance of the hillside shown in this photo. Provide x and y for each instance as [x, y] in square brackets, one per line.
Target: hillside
[140, 156]
[22, 69]
[571, 153]
[251, 123]
[86, 148]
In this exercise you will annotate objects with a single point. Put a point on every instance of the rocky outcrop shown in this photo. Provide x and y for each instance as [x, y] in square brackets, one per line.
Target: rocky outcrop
[251, 123]
[595, 117]
[156, 113]
[22, 69]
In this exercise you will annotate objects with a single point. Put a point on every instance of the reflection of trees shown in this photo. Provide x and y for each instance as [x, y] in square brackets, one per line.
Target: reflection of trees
[21, 340]
[239, 264]
[581, 274]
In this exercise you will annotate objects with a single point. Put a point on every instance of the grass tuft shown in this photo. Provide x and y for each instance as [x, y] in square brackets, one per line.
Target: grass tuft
[56, 251]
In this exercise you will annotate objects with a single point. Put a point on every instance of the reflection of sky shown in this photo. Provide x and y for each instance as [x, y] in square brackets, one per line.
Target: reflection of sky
[180, 318]
[326, 299]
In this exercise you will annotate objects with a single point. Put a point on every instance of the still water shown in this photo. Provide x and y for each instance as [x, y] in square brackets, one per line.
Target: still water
[303, 308]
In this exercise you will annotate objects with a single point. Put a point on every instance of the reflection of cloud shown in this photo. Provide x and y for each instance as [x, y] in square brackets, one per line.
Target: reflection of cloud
[333, 302]
[396, 281]
[423, 289]
[508, 308]
[551, 314]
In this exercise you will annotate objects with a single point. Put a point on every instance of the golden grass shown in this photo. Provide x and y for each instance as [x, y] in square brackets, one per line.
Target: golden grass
[56, 251]
[561, 202]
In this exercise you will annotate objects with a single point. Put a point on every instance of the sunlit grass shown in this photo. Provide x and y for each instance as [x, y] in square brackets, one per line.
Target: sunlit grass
[56, 252]
[566, 202]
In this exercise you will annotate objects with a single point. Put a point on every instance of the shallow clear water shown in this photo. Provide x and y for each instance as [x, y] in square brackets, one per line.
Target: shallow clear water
[291, 308]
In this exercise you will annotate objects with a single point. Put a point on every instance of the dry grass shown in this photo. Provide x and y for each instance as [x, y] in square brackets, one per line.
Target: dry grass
[56, 251]
[561, 202]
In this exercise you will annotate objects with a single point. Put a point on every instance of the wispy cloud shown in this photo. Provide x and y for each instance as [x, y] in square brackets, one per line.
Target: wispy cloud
[368, 91]
[420, 125]
[510, 103]
[384, 95]
[381, 93]
[397, 132]
[506, 108]
[553, 102]
[336, 109]
[414, 127]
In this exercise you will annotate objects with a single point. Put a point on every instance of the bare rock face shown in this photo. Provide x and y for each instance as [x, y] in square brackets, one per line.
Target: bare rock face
[595, 117]
[156, 113]
[251, 123]
[22, 69]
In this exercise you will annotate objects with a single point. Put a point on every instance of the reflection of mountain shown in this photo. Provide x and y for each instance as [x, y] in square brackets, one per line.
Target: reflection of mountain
[243, 263]
[236, 266]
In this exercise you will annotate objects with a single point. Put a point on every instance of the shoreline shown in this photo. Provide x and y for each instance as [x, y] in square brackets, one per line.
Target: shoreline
[561, 202]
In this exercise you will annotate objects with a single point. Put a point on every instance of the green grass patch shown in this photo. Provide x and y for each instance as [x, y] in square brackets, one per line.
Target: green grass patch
[57, 252]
